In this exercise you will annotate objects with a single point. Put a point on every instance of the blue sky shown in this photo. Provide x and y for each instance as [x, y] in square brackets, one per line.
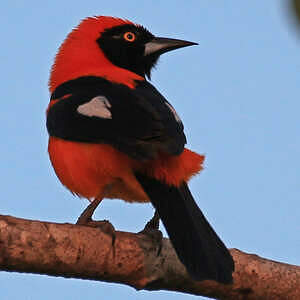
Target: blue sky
[237, 93]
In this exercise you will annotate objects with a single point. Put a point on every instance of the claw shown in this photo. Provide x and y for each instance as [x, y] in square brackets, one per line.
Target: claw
[151, 229]
[85, 219]
[105, 226]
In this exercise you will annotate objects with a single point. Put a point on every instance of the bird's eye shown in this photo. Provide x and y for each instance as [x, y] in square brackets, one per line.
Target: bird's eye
[129, 36]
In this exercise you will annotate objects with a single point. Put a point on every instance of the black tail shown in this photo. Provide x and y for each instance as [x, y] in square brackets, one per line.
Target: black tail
[196, 243]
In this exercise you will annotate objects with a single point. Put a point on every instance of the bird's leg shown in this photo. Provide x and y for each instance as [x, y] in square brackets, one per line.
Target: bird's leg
[85, 219]
[151, 229]
[86, 215]
[153, 224]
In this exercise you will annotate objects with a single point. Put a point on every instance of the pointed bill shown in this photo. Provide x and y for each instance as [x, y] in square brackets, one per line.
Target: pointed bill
[160, 45]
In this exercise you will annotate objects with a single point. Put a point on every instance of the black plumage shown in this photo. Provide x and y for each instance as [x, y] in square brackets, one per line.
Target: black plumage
[142, 123]
[195, 242]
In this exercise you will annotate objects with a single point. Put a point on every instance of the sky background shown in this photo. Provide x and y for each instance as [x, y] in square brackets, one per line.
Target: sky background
[237, 93]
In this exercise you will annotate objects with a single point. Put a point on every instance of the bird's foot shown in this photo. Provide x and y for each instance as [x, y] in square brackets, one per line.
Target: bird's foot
[85, 219]
[104, 225]
[151, 230]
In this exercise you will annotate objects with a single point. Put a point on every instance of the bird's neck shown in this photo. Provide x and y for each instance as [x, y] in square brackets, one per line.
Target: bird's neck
[73, 62]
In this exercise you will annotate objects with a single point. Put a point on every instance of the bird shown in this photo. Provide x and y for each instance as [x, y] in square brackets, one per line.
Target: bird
[112, 134]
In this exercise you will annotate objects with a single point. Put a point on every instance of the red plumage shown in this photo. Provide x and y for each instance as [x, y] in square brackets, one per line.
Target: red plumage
[113, 135]
[85, 168]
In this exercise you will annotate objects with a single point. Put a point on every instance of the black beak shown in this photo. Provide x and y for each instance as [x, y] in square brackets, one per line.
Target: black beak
[159, 45]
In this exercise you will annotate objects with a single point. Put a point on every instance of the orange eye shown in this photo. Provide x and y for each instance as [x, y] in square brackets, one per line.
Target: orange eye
[129, 36]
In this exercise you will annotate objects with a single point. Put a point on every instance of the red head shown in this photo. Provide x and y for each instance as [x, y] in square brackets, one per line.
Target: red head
[113, 48]
[80, 55]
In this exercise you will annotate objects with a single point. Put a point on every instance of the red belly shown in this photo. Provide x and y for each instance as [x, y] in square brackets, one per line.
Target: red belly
[99, 170]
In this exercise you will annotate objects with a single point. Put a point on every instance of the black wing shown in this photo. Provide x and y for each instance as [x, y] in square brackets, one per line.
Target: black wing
[139, 122]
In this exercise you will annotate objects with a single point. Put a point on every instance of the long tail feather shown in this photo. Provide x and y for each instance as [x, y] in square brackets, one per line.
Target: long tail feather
[197, 245]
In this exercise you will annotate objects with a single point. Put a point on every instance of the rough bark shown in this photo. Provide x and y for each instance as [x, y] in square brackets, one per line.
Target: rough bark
[88, 253]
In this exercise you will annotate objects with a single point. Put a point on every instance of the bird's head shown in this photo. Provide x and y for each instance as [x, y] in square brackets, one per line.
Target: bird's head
[116, 49]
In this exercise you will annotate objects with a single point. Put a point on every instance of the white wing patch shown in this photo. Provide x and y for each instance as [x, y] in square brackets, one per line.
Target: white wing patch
[97, 107]
[172, 109]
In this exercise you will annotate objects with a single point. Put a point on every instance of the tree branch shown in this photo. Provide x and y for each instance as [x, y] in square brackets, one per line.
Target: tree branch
[88, 253]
